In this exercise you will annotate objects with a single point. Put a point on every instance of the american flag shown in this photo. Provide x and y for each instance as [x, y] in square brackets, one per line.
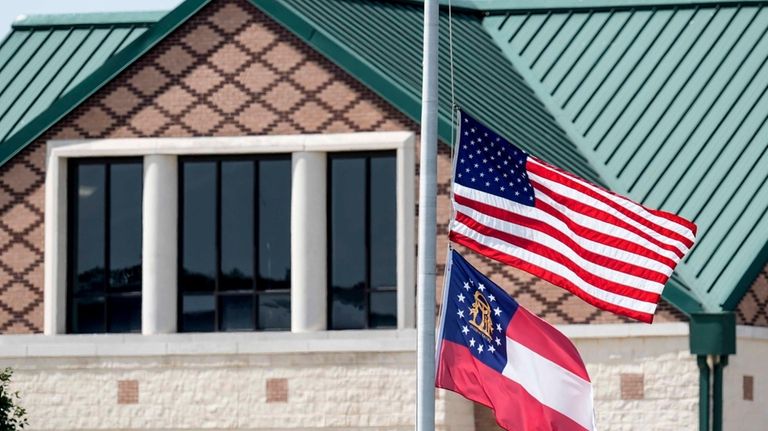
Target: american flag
[608, 250]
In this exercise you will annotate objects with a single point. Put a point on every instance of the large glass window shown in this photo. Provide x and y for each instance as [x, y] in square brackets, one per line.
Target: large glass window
[362, 240]
[234, 254]
[104, 273]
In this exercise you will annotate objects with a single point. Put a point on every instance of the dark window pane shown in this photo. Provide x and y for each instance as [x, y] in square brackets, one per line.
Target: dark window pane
[348, 308]
[91, 236]
[197, 313]
[275, 311]
[383, 223]
[88, 315]
[274, 224]
[348, 223]
[125, 314]
[383, 309]
[125, 226]
[236, 312]
[199, 235]
[237, 220]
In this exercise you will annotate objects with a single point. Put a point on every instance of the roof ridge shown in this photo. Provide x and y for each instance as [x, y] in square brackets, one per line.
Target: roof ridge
[87, 18]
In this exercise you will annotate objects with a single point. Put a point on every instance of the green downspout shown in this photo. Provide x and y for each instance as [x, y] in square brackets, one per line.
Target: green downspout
[703, 392]
[712, 335]
[717, 396]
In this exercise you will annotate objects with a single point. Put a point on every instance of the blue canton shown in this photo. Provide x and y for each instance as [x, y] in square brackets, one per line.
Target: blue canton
[487, 162]
[472, 300]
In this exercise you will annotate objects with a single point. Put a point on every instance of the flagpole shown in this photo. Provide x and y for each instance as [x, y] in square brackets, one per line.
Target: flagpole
[425, 403]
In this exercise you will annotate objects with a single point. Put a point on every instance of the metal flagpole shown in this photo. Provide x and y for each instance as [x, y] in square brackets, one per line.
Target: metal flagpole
[425, 407]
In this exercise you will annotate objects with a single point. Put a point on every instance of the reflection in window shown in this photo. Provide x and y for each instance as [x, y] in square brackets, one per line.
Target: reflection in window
[362, 240]
[235, 256]
[104, 274]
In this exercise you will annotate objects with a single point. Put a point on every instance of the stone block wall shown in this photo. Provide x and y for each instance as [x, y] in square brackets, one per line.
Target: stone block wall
[639, 383]
[299, 391]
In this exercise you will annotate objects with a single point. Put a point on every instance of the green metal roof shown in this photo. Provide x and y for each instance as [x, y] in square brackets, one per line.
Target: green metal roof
[566, 84]
[44, 57]
[670, 106]
[371, 33]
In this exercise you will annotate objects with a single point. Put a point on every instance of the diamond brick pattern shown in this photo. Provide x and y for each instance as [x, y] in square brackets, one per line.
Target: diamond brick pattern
[753, 308]
[228, 71]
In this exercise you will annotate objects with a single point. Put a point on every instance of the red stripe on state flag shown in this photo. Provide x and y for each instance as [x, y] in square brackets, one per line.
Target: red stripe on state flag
[541, 337]
[460, 372]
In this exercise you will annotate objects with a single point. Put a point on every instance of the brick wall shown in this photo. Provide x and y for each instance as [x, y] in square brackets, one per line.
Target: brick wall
[228, 71]
[753, 307]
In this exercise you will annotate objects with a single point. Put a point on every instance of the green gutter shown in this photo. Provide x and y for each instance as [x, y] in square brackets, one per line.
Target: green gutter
[105, 73]
[88, 19]
[373, 78]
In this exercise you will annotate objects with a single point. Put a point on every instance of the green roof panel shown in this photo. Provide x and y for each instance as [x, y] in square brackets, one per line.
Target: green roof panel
[374, 33]
[45, 57]
[669, 103]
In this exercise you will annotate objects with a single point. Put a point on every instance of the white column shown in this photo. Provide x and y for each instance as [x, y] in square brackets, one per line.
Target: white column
[308, 243]
[406, 247]
[55, 284]
[159, 244]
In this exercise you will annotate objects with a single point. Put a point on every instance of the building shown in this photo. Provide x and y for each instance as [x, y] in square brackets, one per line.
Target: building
[223, 131]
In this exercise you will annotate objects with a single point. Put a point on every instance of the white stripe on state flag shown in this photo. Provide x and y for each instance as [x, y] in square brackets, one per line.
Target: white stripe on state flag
[536, 374]
[634, 207]
[562, 249]
[556, 268]
[583, 220]
[595, 203]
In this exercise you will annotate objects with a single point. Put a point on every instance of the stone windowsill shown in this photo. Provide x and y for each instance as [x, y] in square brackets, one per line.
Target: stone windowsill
[404, 340]
[71, 345]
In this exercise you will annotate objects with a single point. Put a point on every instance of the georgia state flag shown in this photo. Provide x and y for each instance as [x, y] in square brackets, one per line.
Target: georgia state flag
[494, 352]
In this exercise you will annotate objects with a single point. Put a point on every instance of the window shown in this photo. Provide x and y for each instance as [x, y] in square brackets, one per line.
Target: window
[166, 235]
[104, 273]
[362, 240]
[234, 253]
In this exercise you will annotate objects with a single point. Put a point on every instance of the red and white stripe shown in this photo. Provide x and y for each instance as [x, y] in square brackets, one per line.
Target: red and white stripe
[608, 250]
[544, 385]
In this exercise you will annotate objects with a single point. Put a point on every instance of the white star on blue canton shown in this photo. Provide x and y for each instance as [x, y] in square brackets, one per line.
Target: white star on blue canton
[466, 286]
[498, 342]
[461, 297]
[491, 349]
[480, 348]
[472, 342]
[461, 313]
[498, 327]
[481, 288]
[497, 311]
[464, 330]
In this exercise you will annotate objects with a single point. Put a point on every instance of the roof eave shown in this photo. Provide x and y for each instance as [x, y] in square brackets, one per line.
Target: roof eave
[100, 77]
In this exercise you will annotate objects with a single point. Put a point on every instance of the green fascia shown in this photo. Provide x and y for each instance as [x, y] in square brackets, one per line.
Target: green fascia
[105, 73]
[745, 283]
[88, 19]
[510, 6]
[682, 298]
[375, 79]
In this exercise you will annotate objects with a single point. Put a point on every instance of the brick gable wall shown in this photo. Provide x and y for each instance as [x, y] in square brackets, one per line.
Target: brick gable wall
[228, 71]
